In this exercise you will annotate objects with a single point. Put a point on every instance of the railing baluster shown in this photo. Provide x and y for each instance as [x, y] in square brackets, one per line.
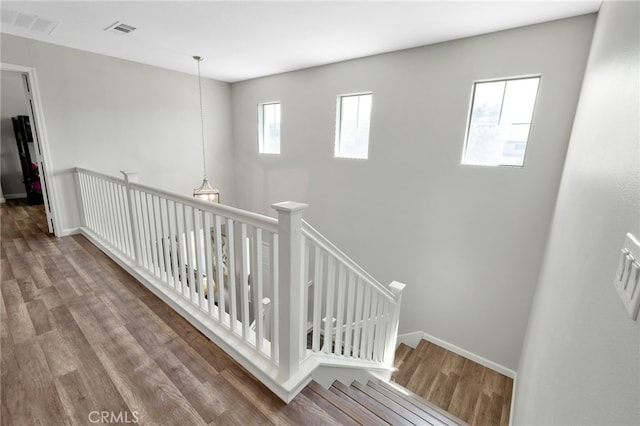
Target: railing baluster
[340, 309]
[197, 231]
[108, 199]
[191, 272]
[274, 336]
[257, 272]
[219, 266]
[231, 244]
[157, 226]
[366, 307]
[181, 230]
[381, 329]
[100, 224]
[113, 207]
[104, 230]
[153, 262]
[102, 218]
[328, 325]
[244, 285]
[130, 227]
[371, 324]
[164, 227]
[206, 221]
[349, 320]
[130, 209]
[317, 300]
[146, 233]
[83, 199]
[305, 290]
[172, 217]
[357, 320]
[123, 214]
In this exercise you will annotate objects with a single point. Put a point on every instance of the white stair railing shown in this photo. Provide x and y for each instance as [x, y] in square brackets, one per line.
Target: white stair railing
[217, 265]
[352, 314]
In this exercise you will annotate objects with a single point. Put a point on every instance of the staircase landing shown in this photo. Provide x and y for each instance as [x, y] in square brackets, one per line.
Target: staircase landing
[464, 388]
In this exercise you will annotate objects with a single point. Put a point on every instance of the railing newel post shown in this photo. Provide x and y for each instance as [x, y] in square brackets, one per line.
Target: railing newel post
[290, 287]
[132, 177]
[392, 337]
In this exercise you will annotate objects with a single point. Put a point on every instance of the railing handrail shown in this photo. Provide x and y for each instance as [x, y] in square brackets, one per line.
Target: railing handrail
[322, 241]
[265, 222]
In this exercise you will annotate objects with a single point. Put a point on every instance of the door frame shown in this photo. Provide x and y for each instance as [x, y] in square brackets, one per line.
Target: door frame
[50, 191]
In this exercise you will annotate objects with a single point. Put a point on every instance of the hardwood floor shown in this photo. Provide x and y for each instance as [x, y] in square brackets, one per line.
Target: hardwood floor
[82, 342]
[466, 389]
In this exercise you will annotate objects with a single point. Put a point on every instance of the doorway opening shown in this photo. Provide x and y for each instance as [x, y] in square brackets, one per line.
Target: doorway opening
[24, 151]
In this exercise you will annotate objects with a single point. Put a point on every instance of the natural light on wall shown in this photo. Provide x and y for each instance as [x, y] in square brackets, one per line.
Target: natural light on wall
[498, 129]
[269, 128]
[353, 116]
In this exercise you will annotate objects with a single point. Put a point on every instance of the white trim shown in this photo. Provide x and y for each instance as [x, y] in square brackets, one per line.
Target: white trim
[513, 399]
[412, 339]
[44, 142]
[69, 231]
[15, 196]
[2, 200]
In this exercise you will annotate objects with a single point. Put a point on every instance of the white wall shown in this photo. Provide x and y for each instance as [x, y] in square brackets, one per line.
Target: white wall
[467, 241]
[12, 103]
[108, 115]
[581, 358]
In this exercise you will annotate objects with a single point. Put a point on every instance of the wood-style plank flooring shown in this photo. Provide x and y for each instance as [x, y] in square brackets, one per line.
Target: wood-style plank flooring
[464, 388]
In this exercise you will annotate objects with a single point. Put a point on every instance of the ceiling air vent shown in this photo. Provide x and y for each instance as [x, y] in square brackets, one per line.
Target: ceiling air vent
[25, 21]
[120, 28]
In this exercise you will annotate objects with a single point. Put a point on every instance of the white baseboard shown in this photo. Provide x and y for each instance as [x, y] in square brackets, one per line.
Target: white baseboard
[412, 339]
[513, 399]
[2, 200]
[69, 231]
[15, 196]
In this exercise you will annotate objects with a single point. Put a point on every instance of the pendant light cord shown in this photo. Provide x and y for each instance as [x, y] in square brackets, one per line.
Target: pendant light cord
[204, 161]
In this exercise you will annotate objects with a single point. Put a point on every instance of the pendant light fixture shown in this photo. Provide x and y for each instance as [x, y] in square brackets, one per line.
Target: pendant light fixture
[205, 192]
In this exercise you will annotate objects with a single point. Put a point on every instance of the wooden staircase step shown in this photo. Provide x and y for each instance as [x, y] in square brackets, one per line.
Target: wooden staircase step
[336, 413]
[370, 404]
[419, 402]
[399, 409]
[430, 416]
[346, 405]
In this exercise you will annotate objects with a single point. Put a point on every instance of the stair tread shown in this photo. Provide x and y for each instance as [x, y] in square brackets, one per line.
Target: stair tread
[371, 404]
[426, 411]
[399, 409]
[336, 413]
[346, 405]
[422, 404]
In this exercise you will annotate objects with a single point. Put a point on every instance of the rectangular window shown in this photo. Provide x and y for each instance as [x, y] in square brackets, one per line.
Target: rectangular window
[499, 122]
[269, 128]
[353, 116]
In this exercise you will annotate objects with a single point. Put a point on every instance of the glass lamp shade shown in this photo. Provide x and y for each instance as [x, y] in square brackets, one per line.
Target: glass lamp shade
[206, 192]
